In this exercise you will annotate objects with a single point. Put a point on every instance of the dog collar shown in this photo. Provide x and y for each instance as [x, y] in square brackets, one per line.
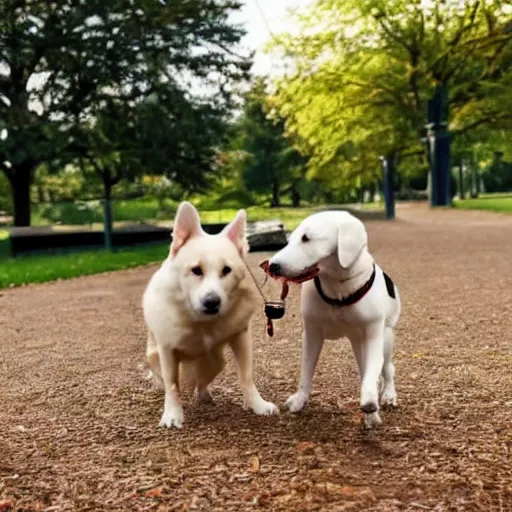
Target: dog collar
[350, 299]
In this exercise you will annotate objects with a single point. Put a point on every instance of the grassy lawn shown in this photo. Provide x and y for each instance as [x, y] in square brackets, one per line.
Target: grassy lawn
[291, 217]
[42, 268]
[493, 203]
[49, 267]
[148, 209]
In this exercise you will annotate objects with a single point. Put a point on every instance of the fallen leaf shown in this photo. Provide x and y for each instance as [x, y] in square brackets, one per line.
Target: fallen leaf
[255, 464]
[303, 446]
[154, 493]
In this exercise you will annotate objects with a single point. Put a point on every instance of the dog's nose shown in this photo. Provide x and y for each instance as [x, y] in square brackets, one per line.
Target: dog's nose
[211, 303]
[274, 268]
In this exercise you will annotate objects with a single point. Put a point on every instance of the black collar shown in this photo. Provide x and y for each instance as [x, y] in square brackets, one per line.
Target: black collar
[351, 299]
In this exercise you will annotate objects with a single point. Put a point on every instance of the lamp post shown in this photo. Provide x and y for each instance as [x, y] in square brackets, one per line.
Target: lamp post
[438, 141]
[388, 166]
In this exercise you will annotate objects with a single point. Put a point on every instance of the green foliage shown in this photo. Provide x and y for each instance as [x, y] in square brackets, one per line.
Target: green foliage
[5, 244]
[5, 194]
[72, 213]
[114, 87]
[237, 199]
[364, 71]
[498, 177]
[78, 213]
[267, 160]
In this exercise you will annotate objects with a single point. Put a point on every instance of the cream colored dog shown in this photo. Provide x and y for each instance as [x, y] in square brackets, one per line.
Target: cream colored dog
[199, 300]
[351, 297]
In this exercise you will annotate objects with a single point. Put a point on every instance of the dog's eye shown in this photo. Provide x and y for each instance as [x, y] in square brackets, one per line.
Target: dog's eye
[305, 238]
[226, 270]
[197, 271]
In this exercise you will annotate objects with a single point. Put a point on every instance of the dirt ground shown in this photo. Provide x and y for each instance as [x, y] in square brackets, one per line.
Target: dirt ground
[79, 424]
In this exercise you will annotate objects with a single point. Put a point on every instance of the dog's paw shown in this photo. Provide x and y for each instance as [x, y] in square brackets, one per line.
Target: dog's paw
[369, 400]
[263, 408]
[372, 420]
[296, 402]
[172, 418]
[388, 397]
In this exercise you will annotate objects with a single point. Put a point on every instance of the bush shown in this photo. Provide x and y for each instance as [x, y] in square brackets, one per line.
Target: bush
[5, 244]
[74, 213]
[5, 194]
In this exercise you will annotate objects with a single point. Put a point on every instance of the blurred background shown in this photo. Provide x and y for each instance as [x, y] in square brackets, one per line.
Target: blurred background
[111, 113]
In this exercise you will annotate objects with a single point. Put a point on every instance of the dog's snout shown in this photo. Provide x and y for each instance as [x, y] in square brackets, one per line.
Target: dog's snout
[274, 268]
[211, 303]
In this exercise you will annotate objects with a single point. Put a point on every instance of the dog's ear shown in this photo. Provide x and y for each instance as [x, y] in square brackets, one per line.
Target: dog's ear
[187, 224]
[352, 238]
[235, 231]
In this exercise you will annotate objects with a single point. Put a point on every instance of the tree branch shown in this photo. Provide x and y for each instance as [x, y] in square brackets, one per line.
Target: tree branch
[464, 28]
[392, 35]
[487, 120]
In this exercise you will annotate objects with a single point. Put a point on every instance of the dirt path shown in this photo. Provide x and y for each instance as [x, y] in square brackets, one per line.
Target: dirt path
[78, 423]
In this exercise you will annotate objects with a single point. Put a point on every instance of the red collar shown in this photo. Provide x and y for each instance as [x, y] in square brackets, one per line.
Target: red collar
[350, 299]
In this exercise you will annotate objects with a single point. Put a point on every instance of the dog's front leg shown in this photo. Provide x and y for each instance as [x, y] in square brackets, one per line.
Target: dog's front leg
[242, 350]
[312, 343]
[372, 359]
[173, 410]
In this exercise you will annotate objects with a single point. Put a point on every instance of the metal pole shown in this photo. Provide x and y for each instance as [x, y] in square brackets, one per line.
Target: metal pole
[107, 224]
[462, 194]
[388, 166]
[439, 144]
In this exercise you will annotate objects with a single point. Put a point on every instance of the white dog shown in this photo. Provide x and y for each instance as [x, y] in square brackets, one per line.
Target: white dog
[201, 299]
[351, 296]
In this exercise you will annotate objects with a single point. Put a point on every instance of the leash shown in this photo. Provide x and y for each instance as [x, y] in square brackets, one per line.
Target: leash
[274, 309]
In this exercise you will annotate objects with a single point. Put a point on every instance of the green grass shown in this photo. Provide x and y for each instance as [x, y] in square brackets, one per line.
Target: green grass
[49, 267]
[43, 268]
[291, 217]
[91, 212]
[148, 209]
[493, 203]
[5, 247]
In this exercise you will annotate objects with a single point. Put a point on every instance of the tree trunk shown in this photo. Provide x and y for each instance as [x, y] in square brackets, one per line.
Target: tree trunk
[107, 212]
[474, 182]
[276, 200]
[295, 195]
[389, 163]
[20, 180]
[462, 194]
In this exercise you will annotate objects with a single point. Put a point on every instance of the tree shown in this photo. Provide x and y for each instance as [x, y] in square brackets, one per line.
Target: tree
[362, 73]
[64, 64]
[271, 162]
[165, 134]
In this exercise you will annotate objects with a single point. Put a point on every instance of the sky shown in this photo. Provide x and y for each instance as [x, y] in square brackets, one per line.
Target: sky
[261, 18]
[255, 15]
